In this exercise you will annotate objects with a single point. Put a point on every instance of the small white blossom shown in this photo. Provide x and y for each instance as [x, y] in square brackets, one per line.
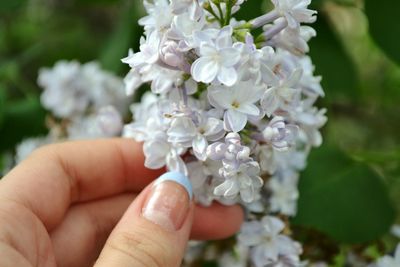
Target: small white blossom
[244, 180]
[238, 102]
[295, 11]
[282, 94]
[240, 171]
[192, 7]
[132, 82]
[268, 246]
[65, 92]
[149, 53]
[109, 121]
[256, 64]
[205, 177]
[294, 40]
[279, 134]
[71, 89]
[195, 131]
[284, 193]
[389, 261]
[217, 60]
[159, 15]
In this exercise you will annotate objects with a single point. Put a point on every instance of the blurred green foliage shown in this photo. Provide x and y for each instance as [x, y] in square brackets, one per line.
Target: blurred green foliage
[351, 187]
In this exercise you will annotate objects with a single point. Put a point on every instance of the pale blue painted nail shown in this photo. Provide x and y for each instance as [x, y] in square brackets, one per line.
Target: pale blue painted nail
[178, 178]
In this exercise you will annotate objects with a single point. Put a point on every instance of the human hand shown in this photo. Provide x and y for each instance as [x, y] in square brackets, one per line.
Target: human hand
[63, 207]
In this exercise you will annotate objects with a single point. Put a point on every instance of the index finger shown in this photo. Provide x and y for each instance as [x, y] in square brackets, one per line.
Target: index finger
[59, 175]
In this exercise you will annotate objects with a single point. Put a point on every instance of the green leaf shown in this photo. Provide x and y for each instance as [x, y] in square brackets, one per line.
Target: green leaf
[340, 79]
[250, 10]
[22, 119]
[384, 23]
[342, 198]
[126, 32]
[3, 97]
[11, 5]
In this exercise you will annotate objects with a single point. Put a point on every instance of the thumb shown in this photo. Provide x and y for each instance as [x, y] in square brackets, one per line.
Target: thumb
[155, 229]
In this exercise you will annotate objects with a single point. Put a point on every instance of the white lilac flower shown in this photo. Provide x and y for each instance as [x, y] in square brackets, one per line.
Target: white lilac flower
[310, 121]
[256, 64]
[65, 92]
[109, 121]
[195, 131]
[389, 261]
[279, 134]
[295, 11]
[132, 82]
[159, 153]
[183, 28]
[192, 7]
[287, 261]
[159, 16]
[310, 83]
[72, 89]
[106, 122]
[217, 60]
[267, 244]
[231, 152]
[170, 55]
[281, 94]
[148, 119]
[104, 88]
[285, 194]
[204, 176]
[238, 102]
[240, 171]
[148, 54]
[244, 181]
[86, 127]
[238, 257]
[267, 159]
[294, 40]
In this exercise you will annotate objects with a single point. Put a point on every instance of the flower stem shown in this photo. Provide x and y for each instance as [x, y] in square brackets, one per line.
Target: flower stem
[229, 5]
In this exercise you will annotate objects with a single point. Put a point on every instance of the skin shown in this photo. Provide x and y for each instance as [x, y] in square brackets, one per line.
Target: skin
[58, 207]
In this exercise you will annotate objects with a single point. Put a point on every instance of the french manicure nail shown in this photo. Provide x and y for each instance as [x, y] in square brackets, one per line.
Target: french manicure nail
[169, 200]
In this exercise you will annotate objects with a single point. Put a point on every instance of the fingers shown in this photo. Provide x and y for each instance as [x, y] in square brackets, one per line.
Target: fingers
[81, 236]
[78, 240]
[58, 175]
[155, 229]
[216, 222]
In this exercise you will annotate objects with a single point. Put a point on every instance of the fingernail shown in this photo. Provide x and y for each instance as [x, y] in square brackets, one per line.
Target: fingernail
[169, 200]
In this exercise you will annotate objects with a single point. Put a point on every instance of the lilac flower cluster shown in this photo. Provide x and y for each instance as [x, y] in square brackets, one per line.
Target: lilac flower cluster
[85, 102]
[233, 111]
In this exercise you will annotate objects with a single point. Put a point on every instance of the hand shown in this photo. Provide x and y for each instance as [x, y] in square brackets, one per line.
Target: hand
[59, 207]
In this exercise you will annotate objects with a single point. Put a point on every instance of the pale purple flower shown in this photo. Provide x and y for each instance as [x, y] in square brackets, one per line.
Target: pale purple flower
[284, 191]
[279, 134]
[195, 131]
[267, 243]
[282, 94]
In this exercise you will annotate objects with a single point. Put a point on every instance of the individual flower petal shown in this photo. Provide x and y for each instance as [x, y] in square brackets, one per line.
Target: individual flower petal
[236, 121]
[204, 70]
